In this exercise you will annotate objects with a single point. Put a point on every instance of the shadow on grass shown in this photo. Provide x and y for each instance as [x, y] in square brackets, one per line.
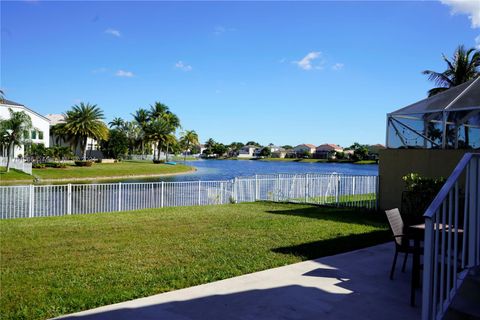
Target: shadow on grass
[346, 215]
[328, 247]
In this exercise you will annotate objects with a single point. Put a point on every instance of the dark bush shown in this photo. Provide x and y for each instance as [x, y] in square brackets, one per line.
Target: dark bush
[57, 165]
[38, 166]
[158, 161]
[82, 163]
[419, 193]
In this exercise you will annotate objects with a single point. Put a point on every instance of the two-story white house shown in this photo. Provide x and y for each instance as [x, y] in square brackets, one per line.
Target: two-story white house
[247, 151]
[40, 132]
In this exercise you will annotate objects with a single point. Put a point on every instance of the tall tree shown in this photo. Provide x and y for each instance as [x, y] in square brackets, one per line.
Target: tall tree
[84, 121]
[189, 138]
[462, 67]
[209, 145]
[117, 122]
[159, 111]
[14, 132]
[141, 117]
[158, 130]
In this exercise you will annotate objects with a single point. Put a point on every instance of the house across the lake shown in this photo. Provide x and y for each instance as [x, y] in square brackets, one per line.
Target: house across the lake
[327, 151]
[93, 148]
[40, 132]
[304, 149]
[247, 151]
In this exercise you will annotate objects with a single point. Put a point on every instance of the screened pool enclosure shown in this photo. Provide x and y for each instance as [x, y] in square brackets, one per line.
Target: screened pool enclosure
[448, 120]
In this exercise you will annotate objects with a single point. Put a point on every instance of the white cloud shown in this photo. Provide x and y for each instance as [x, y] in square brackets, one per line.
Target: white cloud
[113, 32]
[183, 66]
[477, 42]
[307, 62]
[125, 74]
[468, 7]
[338, 66]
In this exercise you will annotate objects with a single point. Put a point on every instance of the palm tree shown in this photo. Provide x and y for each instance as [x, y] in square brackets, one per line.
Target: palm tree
[157, 130]
[82, 122]
[141, 117]
[117, 122]
[464, 66]
[209, 144]
[189, 138]
[159, 112]
[158, 109]
[12, 131]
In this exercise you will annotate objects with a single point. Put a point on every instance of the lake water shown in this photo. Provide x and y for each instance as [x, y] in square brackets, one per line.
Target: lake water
[228, 169]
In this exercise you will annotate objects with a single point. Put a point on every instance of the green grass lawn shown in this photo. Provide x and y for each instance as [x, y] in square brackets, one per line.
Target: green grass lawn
[58, 265]
[101, 170]
[12, 175]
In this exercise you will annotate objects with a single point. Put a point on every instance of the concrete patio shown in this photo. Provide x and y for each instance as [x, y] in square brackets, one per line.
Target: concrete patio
[353, 285]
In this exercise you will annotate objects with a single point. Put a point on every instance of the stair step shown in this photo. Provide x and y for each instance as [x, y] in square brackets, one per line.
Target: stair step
[466, 304]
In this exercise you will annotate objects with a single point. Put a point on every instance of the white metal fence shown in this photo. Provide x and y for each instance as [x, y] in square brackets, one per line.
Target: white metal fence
[18, 164]
[452, 237]
[58, 200]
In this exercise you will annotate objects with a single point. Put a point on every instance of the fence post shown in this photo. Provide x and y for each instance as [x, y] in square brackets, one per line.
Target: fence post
[31, 202]
[221, 192]
[235, 198]
[353, 187]
[199, 192]
[279, 188]
[337, 190]
[119, 196]
[161, 197]
[256, 188]
[377, 192]
[306, 187]
[69, 198]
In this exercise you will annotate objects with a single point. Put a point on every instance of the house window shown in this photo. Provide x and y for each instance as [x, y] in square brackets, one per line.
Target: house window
[34, 134]
[40, 135]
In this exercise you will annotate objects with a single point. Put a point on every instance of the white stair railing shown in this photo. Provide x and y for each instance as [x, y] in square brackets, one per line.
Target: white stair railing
[452, 237]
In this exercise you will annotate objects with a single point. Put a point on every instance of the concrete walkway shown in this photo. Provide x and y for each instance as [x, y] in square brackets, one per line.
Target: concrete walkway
[353, 285]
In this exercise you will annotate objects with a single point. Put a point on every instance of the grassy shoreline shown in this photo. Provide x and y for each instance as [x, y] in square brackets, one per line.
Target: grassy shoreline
[99, 171]
[58, 265]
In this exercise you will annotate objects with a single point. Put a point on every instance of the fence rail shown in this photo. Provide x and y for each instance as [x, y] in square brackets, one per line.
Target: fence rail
[57, 200]
[452, 237]
[18, 164]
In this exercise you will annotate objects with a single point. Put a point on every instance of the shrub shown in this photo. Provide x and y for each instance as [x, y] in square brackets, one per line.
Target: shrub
[419, 193]
[57, 165]
[158, 161]
[38, 165]
[82, 163]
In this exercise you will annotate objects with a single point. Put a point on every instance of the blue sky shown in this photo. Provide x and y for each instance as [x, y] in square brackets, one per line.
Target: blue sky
[280, 72]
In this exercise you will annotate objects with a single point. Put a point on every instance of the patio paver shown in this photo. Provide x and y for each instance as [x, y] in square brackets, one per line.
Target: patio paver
[353, 285]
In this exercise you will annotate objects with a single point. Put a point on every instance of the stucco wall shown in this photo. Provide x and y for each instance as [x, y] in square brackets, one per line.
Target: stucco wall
[395, 163]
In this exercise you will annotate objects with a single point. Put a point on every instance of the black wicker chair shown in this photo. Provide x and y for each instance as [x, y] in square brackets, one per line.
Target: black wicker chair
[401, 239]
